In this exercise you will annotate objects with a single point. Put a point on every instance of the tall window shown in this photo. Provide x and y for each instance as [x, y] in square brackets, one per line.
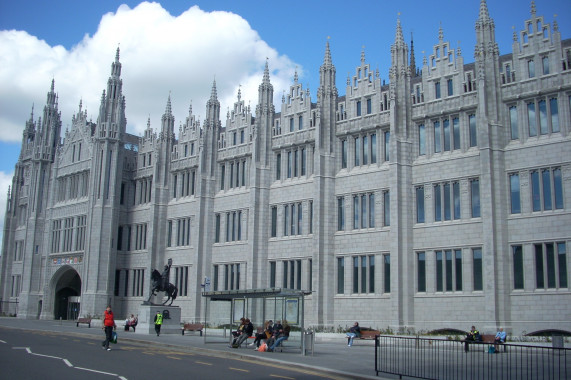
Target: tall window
[358, 108]
[364, 274]
[421, 140]
[421, 272]
[387, 145]
[340, 275]
[216, 229]
[545, 64]
[278, 166]
[517, 255]
[473, 130]
[531, 119]
[343, 154]
[457, 269]
[515, 194]
[387, 273]
[369, 107]
[437, 142]
[274, 221]
[437, 90]
[450, 87]
[542, 105]
[222, 175]
[456, 132]
[420, 204]
[475, 197]
[357, 154]
[546, 186]
[531, 68]
[387, 208]
[373, 148]
[513, 123]
[446, 131]
[272, 274]
[477, 268]
[554, 112]
[439, 271]
[456, 199]
[340, 214]
[437, 203]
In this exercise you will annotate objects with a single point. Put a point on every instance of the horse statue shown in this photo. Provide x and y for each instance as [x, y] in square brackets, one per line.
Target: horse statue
[161, 284]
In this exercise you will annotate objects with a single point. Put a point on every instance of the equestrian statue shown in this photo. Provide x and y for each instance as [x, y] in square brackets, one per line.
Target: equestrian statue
[161, 283]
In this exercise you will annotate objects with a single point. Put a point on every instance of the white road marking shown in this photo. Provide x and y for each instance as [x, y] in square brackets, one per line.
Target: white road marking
[67, 362]
[1, 341]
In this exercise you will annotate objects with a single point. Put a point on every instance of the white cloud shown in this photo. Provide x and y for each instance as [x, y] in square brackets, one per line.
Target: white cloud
[160, 54]
[5, 181]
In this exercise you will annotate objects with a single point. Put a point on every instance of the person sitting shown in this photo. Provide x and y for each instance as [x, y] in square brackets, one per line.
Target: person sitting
[264, 335]
[131, 322]
[499, 339]
[354, 332]
[236, 334]
[277, 327]
[283, 335]
[472, 336]
[246, 333]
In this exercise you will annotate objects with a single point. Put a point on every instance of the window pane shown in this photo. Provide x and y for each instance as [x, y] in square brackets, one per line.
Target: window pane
[447, 206]
[518, 266]
[473, 130]
[542, 117]
[371, 210]
[513, 123]
[456, 130]
[421, 140]
[531, 119]
[420, 204]
[365, 150]
[514, 192]
[355, 274]
[477, 263]
[343, 154]
[364, 218]
[439, 274]
[387, 145]
[554, 114]
[355, 212]
[363, 274]
[475, 197]
[446, 131]
[340, 275]
[340, 214]
[437, 146]
[387, 273]
[437, 204]
[550, 259]
[535, 191]
[546, 179]
[421, 276]
[448, 271]
[540, 284]
[371, 274]
[558, 188]
[456, 197]
[562, 263]
[357, 151]
[373, 148]
[387, 211]
[458, 268]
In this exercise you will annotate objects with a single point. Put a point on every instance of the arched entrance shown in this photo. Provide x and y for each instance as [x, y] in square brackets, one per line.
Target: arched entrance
[67, 291]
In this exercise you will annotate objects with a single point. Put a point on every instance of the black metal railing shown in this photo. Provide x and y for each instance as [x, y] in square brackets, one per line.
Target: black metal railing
[427, 358]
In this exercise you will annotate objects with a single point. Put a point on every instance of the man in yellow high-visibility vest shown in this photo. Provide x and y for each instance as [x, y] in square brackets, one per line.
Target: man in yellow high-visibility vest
[158, 322]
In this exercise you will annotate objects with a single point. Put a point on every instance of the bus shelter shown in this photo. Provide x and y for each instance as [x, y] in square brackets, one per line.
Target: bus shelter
[223, 310]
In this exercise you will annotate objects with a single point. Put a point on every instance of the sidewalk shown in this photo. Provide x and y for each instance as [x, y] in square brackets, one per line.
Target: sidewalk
[330, 355]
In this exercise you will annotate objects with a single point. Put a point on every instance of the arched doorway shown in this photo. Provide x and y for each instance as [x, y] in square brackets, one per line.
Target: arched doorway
[67, 291]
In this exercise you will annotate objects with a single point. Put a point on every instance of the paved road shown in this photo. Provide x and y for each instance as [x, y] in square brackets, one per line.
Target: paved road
[45, 355]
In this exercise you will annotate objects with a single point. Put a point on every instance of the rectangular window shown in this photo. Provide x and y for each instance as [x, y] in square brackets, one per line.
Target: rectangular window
[456, 199]
[387, 208]
[300, 122]
[341, 214]
[437, 203]
[216, 229]
[557, 188]
[517, 255]
[473, 130]
[447, 205]
[446, 131]
[562, 265]
[278, 166]
[437, 143]
[387, 273]
[215, 279]
[439, 271]
[369, 107]
[272, 274]
[364, 218]
[554, 112]
[456, 132]
[371, 271]
[387, 145]
[458, 269]
[356, 274]
[513, 123]
[343, 154]
[222, 175]
[374, 148]
[291, 127]
[542, 105]
[531, 68]
[355, 212]
[450, 87]
[303, 161]
[420, 204]
[310, 217]
[274, 221]
[477, 269]
[365, 150]
[359, 108]
[515, 194]
[437, 90]
[363, 274]
[371, 210]
[340, 275]
[448, 269]
[421, 140]
[421, 272]
[475, 197]
[531, 119]
[289, 164]
[545, 62]
[357, 152]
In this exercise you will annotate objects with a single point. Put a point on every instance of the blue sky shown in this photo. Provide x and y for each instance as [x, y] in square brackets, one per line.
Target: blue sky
[168, 49]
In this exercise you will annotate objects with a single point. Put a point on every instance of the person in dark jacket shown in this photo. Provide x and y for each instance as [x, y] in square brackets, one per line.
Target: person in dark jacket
[354, 332]
[266, 334]
[108, 327]
[246, 333]
[283, 335]
[472, 336]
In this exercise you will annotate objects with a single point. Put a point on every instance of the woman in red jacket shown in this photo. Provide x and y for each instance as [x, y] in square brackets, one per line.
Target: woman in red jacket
[108, 327]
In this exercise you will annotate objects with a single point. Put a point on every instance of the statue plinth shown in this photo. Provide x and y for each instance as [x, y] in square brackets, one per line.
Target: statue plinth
[147, 312]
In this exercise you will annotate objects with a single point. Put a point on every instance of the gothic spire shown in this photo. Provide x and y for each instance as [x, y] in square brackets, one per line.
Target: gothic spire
[213, 93]
[399, 39]
[484, 15]
[266, 79]
[327, 59]
[168, 110]
[412, 59]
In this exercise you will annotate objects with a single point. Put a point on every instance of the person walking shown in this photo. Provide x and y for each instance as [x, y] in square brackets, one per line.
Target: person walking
[108, 326]
[158, 322]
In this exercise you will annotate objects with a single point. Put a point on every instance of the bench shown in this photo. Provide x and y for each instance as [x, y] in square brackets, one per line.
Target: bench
[369, 334]
[192, 327]
[485, 340]
[86, 321]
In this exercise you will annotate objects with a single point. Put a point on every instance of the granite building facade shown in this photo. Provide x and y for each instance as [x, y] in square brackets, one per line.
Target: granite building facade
[438, 200]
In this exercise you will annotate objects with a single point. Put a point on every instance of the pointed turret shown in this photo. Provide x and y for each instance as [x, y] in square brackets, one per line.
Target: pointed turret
[412, 59]
[111, 122]
[212, 108]
[265, 111]
[399, 54]
[326, 103]
[50, 126]
[167, 122]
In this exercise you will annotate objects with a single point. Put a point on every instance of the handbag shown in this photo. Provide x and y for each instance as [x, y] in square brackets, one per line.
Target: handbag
[263, 347]
[113, 337]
